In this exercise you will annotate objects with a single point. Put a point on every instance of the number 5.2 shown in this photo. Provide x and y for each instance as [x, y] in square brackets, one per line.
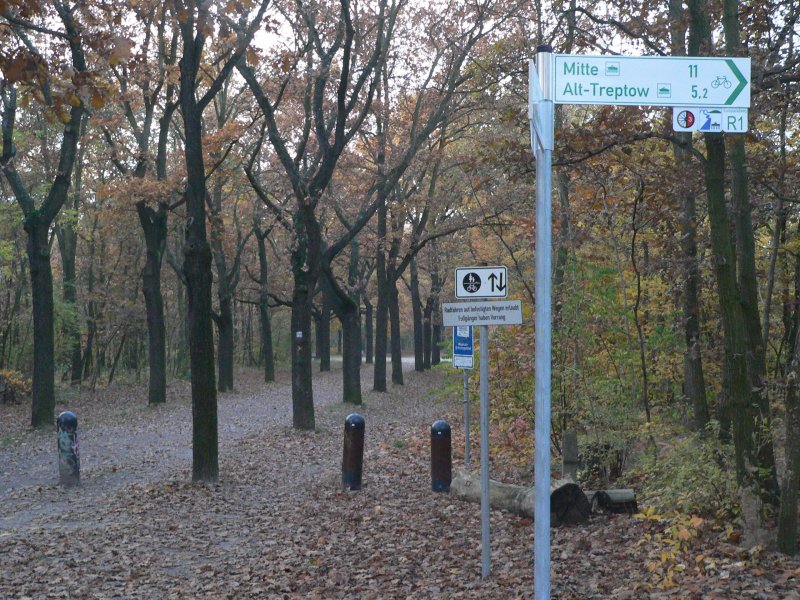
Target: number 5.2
[698, 92]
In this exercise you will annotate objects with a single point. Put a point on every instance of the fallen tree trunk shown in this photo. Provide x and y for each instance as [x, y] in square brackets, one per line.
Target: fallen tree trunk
[614, 501]
[568, 503]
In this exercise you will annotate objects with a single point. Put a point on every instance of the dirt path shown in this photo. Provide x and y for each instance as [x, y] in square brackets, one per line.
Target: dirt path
[278, 525]
[144, 444]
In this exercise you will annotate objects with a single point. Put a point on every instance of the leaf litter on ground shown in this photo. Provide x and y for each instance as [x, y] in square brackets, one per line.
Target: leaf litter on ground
[278, 524]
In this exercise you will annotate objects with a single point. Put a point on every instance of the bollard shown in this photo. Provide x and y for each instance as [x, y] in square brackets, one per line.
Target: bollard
[441, 457]
[353, 454]
[69, 461]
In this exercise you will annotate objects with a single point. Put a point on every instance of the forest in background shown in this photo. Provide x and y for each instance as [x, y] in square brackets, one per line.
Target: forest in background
[298, 163]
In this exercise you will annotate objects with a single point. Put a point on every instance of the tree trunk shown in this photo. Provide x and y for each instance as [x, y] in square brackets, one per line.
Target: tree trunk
[225, 341]
[787, 517]
[324, 331]
[351, 353]
[154, 225]
[394, 315]
[694, 387]
[748, 281]
[197, 272]
[67, 245]
[743, 419]
[427, 334]
[416, 309]
[748, 286]
[302, 392]
[568, 504]
[267, 351]
[436, 348]
[368, 331]
[43, 391]
[382, 308]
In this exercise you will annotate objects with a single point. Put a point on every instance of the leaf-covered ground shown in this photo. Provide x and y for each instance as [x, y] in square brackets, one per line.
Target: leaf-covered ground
[278, 525]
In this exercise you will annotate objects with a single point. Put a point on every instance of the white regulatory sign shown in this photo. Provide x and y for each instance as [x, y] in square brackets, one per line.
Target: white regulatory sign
[498, 312]
[481, 282]
[652, 80]
[709, 119]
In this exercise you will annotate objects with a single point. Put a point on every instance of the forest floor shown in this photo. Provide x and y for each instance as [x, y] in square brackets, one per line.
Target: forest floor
[278, 524]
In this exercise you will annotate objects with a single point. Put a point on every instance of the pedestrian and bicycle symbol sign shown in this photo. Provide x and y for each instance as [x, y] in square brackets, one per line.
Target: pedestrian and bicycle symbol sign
[481, 282]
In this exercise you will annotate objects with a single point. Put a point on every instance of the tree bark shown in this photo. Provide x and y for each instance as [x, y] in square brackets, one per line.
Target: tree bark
[154, 225]
[427, 334]
[324, 330]
[67, 245]
[436, 347]
[787, 516]
[416, 309]
[382, 308]
[43, 388]
[302, 392]
[743, 418]
[225, 340]
[368, 331]
[348, 314]
[394, 317]
[267, 351]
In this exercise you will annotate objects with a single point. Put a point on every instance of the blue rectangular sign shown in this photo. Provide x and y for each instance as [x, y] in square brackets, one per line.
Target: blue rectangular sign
[463, 354]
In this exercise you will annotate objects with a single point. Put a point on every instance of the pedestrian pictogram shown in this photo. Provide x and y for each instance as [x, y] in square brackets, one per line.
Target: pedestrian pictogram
[471, 283]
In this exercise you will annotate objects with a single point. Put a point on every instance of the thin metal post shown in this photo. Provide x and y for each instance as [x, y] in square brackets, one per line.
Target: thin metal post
[485, 549]
[466, 417]
[544, 163]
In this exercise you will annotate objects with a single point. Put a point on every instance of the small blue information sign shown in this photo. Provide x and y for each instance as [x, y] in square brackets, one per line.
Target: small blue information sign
[463, 354]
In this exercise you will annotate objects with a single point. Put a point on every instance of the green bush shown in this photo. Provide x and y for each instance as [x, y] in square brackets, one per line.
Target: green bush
[696, 475]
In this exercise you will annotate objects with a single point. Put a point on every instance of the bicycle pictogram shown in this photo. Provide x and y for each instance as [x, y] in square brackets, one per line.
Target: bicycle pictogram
[721, 80]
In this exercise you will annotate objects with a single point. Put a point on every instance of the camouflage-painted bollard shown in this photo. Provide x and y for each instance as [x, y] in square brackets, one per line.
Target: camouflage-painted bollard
[441, 457]
[353, 454]
[69, 461]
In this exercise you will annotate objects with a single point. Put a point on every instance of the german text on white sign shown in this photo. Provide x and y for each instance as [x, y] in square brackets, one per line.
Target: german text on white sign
[498, 312]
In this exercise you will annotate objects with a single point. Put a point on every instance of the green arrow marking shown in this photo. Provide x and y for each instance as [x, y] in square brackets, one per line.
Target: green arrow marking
[742, 82]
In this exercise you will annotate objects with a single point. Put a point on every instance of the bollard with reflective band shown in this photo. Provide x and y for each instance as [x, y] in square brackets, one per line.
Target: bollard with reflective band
[69, 462]
[353, 454]
[441, 457]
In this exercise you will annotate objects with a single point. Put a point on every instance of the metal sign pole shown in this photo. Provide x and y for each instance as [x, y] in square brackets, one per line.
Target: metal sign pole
[466, 417]
[485, 551]
[544, 164]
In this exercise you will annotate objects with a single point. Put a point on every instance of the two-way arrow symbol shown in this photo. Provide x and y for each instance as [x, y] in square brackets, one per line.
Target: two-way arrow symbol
[497, 286]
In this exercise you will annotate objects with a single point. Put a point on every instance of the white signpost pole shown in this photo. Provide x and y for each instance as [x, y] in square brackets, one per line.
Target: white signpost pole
[466, 417]
[720, 86]
[485, 549]
[544, 186]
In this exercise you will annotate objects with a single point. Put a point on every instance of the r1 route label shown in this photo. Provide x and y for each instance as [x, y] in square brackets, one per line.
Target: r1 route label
[652, 80]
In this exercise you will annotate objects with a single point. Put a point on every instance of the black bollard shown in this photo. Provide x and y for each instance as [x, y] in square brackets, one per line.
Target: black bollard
[353, 454]
[441, 457]
[69, 461]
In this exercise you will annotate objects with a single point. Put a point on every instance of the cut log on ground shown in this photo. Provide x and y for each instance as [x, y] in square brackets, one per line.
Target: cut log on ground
[568, 503]
[613, 501]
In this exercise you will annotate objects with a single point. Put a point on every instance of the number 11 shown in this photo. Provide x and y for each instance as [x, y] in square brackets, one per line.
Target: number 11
[692, 70]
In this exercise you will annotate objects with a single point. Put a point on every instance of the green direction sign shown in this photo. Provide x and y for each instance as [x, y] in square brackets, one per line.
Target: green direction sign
[652, 80]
